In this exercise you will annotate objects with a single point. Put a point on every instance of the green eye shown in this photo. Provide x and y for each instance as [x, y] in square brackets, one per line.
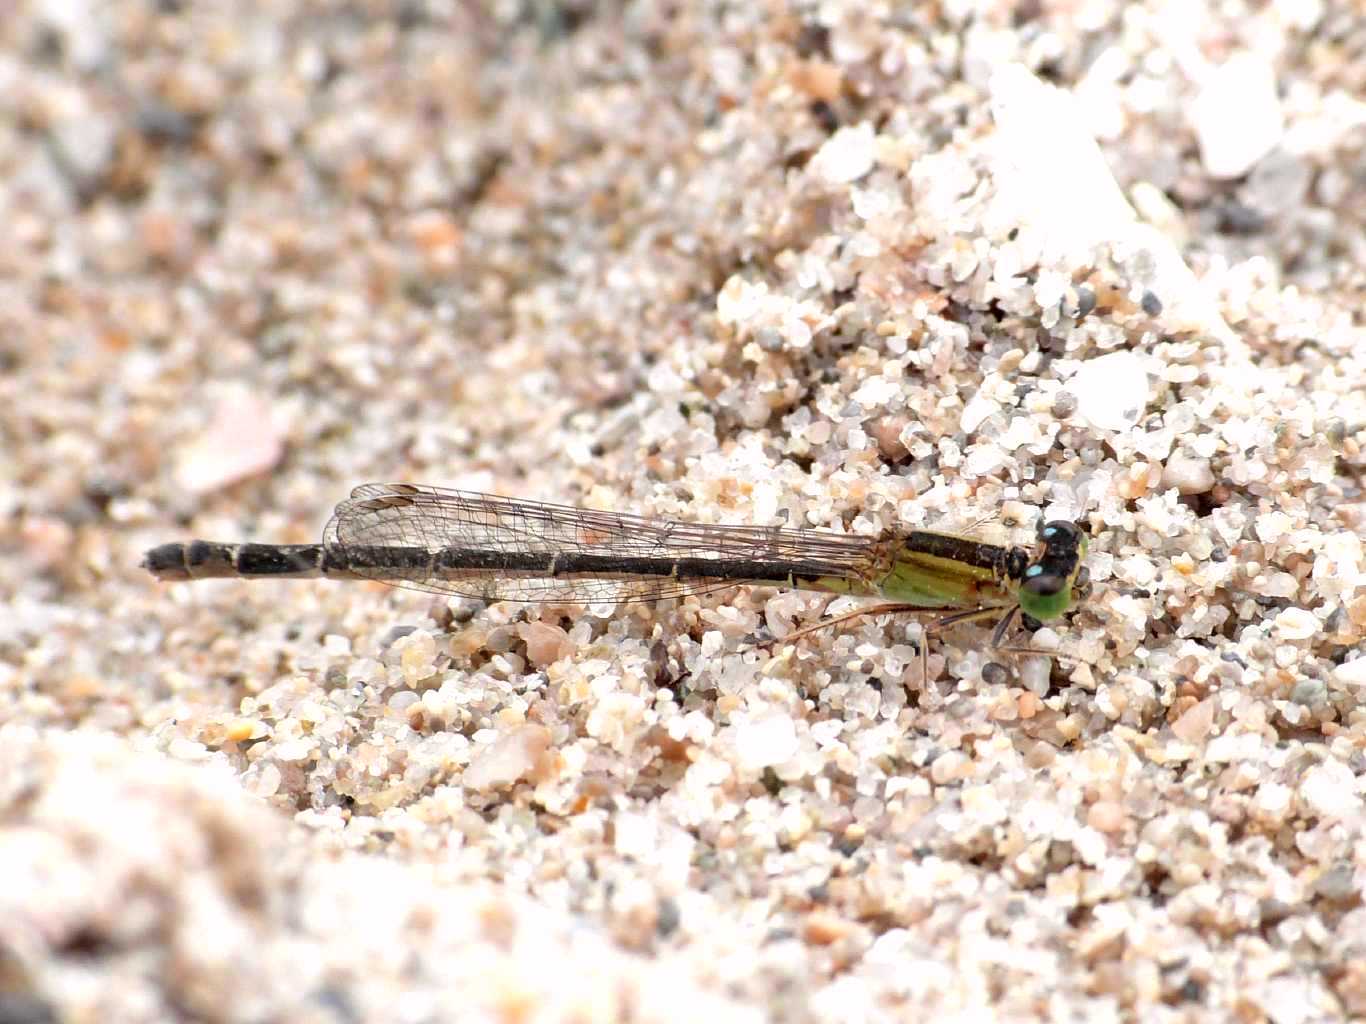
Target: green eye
[1044, 595]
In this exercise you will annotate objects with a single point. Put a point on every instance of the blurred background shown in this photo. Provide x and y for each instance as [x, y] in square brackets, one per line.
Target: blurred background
[822, 265]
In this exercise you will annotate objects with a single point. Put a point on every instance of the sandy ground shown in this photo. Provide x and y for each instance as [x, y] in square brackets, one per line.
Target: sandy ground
[826, 266]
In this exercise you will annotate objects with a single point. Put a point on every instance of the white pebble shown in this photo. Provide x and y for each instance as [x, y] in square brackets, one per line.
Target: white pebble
[1188, 475]
[637, 835]
[546, 643]
[241, 441]
[511, 757]
[187, 750]
[336, 646]
[877, 391]
[1111, 391]
[979, 407]
[949, 767]
[1237, 116]
[765, 740]
[1330, 790]
[1272, 801]
[1297, 624]
[846, 156]
[1195, 724]
[1272, 526]
[984, 460]
[419, 653]
[1351, 673]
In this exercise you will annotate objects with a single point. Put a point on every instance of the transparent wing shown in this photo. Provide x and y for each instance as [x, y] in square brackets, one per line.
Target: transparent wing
[496, 548]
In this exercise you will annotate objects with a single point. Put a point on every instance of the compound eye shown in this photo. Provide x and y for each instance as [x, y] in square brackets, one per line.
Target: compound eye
[1044, 584]
[1060, 531]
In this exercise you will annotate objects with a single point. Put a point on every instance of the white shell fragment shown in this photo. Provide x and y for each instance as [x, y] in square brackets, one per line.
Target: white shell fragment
[1237, 116]
[1111, 391]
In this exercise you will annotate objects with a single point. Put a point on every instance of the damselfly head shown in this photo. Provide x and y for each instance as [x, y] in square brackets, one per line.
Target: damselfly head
[1050, 584]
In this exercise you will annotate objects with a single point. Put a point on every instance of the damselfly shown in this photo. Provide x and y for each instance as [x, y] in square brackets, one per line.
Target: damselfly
[507, 549]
